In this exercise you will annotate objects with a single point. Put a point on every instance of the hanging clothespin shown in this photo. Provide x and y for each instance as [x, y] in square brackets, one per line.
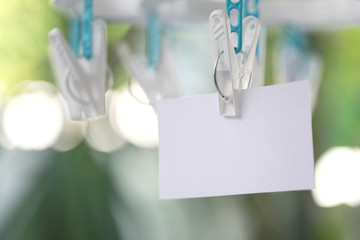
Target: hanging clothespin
[296, 61]
[233, 62]
[294, 55]
[154, 77]
[82, 78]
[157, 83]
[251, 8]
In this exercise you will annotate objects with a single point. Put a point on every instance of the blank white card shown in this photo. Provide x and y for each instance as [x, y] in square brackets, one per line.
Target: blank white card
[268, 148]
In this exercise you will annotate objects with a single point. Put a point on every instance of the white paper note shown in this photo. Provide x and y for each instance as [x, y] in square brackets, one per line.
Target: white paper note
[268, 148]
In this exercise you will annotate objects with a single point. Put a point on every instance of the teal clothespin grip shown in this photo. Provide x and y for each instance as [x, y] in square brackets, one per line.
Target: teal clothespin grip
[251, 8]
[297, 38]
[87, 29]
[296, 67]
[75, 35]
[238, 28]
[153, 39]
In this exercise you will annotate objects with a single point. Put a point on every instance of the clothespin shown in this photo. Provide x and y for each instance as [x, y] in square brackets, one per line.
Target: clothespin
[296, 61]
[154, 78]
[252, 9]
[233, 71]
[82, 79]
[294, 55]
[157, 83]
[80, 28]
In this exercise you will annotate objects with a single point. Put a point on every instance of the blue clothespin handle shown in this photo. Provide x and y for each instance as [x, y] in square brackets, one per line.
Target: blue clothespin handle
[251, 8]
[238, 28]
[87, 29]
[153, 39]
[75, 35]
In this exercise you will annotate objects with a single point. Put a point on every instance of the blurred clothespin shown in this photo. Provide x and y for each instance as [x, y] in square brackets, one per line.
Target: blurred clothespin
[154, 78]
[296, 61]
[252, 9]
[157, 83]
[82, 75]
[233, 62]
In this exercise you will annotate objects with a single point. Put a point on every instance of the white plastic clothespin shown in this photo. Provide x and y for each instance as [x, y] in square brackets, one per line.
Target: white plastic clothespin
[156, 83]
[154, 76]
[82, 82]
[232, 71]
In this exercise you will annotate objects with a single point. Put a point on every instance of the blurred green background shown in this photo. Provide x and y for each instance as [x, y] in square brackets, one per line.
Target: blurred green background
[89, 194]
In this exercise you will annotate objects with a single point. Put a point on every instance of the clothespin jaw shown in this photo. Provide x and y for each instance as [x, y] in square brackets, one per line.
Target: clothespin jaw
[226, 66]
[82, 82]
[232, 72]
[252, 28]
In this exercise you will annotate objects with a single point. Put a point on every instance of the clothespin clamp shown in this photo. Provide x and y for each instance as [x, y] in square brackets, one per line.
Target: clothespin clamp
[296, 61]
[157, 83]
[155, 78]
[82, 80]
[235, 69]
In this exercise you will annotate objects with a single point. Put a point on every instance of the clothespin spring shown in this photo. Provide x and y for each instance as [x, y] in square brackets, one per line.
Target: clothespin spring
[216, 82]
[215, 79]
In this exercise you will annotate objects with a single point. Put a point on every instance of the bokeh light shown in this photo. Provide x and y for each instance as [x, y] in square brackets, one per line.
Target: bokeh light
[33, 119]
[71, 134]
[3, 90]
[136, 121]
[100, 134]
[338, 178]
[3, 142]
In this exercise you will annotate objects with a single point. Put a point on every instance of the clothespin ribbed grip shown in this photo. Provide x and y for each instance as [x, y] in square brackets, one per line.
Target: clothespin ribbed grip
[230, 5]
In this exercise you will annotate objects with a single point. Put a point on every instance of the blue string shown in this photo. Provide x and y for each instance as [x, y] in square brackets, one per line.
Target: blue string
[238, 28]
[295, 37]
[75, 35]
[87, 29]
[153, 40]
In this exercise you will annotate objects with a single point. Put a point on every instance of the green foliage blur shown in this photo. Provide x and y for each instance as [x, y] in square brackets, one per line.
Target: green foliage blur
[71, 198]
[24, 27]
[70, 201]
